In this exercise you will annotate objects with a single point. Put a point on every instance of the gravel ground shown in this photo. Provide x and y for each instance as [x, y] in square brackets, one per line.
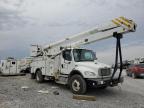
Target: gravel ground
[128, 95]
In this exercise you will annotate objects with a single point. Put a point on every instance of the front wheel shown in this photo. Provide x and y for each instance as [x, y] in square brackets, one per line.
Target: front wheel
[39, 76]
[77, 84]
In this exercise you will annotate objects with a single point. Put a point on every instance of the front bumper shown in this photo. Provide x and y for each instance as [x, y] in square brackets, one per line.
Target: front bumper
[104, 82]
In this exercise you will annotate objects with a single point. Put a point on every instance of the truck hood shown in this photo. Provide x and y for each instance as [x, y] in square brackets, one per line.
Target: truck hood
[92, 65]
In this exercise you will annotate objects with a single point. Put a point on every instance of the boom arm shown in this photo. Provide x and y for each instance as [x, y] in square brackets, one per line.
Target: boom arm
[119, 25]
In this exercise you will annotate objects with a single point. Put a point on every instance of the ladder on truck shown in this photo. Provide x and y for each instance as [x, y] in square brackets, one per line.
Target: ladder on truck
[114, 28]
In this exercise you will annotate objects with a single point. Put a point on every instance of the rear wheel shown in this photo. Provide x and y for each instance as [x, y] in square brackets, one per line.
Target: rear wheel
[77, 84]
[39, 76]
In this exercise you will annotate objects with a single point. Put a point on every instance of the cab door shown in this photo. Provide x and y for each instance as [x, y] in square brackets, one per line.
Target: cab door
[66, 61]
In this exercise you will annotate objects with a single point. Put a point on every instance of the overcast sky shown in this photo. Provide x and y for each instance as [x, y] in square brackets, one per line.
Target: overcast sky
[25, 22]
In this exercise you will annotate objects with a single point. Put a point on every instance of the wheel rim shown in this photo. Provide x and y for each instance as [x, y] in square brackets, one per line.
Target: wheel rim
[76, 85]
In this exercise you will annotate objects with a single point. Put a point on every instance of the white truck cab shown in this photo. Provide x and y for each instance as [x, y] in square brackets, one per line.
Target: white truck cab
[84, 61]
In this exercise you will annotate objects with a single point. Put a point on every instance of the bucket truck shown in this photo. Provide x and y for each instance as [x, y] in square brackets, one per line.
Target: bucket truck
[12, 66]
[66, 63]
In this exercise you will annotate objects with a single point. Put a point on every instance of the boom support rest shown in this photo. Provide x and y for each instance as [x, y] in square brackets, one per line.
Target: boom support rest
[118, 37]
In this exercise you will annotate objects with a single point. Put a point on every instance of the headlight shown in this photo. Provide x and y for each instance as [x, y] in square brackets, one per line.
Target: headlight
[87, 73]
[104, 72]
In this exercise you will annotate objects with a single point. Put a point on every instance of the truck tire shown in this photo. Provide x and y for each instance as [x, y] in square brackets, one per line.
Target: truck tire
[32, 75]
[134, 75]
[77, 84]
[39, 76]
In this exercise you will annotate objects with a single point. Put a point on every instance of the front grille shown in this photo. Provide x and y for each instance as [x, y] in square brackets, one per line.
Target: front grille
[104, 72]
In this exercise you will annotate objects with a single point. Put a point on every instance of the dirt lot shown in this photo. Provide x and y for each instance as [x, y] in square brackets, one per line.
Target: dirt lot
[129, 95]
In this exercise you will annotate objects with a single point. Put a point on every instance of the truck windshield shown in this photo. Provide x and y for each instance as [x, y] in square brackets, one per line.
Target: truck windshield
[83, 55]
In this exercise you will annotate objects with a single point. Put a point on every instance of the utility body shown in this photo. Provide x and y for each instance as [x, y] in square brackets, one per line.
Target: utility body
[9, 66]
[67, 63]
[12, 66]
